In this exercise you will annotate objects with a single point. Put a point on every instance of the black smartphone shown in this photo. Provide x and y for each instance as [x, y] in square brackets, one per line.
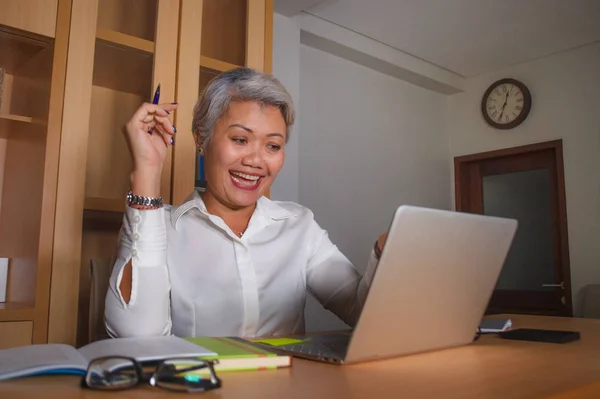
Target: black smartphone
[532, 334]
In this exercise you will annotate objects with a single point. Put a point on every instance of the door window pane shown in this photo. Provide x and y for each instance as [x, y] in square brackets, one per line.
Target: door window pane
[524, 196]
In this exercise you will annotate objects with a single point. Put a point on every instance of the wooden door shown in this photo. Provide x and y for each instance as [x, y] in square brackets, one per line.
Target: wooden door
[525, 183]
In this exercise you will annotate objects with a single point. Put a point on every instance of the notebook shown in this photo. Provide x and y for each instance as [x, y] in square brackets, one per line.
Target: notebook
[42, 359]
[236, 354]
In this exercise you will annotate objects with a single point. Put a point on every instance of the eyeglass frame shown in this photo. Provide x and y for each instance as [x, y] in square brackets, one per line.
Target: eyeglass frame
[143, 378]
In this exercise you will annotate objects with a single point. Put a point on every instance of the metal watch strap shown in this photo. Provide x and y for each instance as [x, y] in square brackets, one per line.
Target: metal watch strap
[133, 199]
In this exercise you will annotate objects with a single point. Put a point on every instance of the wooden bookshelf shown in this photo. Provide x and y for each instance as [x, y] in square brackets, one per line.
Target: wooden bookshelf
[33, 54]
[75, 71]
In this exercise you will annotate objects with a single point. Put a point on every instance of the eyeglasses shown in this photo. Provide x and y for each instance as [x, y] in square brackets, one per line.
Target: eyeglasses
[180, 374]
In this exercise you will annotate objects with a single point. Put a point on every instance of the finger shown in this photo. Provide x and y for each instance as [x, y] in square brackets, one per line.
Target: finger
[147, 109]
[169, 106]
[164, 135]
[149, 126]
[166, 123]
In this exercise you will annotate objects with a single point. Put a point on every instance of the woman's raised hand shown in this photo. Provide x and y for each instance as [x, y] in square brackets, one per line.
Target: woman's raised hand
[149, 133]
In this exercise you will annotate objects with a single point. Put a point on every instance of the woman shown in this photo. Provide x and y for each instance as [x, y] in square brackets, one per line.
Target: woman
[229, 261]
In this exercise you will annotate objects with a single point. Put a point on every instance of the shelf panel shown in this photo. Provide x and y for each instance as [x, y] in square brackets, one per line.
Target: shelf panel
[122, 39]
[16, 50]
[124, 69]
[212, 63]
[17, 118]
[104, 204]
[10, 311]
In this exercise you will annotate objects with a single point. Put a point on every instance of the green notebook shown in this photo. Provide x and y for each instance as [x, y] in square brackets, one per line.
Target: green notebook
[236, 354]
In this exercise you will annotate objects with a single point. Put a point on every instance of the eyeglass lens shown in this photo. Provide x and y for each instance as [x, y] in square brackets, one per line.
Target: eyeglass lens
[111, 373]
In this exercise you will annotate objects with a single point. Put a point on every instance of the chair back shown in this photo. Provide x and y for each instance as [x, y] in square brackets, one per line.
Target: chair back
[100, 270]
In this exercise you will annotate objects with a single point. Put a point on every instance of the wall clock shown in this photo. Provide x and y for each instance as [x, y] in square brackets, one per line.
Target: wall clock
[506, 104]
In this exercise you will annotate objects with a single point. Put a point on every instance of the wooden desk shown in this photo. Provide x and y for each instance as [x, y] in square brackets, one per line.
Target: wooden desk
[489, 368]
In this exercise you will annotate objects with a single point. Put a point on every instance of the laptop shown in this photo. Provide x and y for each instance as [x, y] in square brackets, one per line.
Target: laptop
[433, 282]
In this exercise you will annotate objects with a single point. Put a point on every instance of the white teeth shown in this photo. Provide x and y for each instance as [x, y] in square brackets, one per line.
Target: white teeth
[243, 182]
[245, 176]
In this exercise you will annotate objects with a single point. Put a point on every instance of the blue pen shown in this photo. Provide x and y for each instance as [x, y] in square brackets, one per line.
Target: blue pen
[155, 101]
[156, 95]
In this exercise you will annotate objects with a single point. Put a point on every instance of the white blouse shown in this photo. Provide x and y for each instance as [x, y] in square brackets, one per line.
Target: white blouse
[192, 276]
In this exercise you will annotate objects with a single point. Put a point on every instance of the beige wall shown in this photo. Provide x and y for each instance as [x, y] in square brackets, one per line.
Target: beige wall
[566, 104]
[367, 142]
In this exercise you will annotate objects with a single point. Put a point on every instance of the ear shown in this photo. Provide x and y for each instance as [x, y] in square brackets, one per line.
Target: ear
[198, 141]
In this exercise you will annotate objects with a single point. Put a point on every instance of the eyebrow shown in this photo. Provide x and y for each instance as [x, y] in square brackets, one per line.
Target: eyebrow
[251, 131]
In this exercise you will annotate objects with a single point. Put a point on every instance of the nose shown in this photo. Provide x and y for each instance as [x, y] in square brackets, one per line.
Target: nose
[253, 158]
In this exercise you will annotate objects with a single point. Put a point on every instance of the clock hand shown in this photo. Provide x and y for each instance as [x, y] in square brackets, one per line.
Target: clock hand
[504, 105]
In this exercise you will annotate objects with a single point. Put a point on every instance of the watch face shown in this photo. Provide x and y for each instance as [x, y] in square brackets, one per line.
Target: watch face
[506, 104]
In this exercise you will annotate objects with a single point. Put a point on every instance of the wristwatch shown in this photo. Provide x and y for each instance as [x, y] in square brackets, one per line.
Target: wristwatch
[153, 202]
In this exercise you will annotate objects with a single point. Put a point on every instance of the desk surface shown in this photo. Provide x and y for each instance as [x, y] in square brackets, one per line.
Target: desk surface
[489, 368]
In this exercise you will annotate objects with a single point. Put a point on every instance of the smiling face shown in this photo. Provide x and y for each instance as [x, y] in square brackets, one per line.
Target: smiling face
[244, 155]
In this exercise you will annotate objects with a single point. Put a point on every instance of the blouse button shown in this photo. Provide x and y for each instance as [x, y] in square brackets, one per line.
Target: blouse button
[136, 236]
[133, 252]
[136, 218]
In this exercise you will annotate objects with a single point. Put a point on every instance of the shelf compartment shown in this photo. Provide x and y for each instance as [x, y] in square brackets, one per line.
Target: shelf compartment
[224, 30]
[17, 50]
[13, 123]
[131, 17]
[125, 40]
[104, 204]
[108, 159]
[124, 69]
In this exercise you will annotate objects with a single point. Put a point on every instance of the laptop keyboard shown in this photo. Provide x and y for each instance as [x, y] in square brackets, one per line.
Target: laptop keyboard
[328, 345]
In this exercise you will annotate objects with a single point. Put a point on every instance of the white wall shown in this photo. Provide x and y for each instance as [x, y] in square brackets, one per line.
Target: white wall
[368, 143]
[566, 104]
[286, 67]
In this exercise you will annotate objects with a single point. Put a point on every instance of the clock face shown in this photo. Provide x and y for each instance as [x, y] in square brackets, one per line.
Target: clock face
[506, 104]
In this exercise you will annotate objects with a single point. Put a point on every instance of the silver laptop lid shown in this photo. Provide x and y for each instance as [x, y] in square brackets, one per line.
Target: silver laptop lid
[433, 282]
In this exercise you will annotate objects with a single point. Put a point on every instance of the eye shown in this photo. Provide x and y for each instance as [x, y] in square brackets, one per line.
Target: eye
[274, 147]
[239, 140]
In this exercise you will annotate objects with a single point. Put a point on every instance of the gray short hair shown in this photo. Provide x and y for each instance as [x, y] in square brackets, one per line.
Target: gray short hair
[239, 84]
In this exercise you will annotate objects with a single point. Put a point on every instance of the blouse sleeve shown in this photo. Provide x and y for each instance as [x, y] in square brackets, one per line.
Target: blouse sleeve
[142, 240]
[334, 280]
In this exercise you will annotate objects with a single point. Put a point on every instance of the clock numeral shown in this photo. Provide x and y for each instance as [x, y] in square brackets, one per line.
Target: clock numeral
[514, 114]
[491, 100]
[503, 88]
[497, 91]
[494, 114]
[518, 108]
[506, 119]
[491, 108]
[520, 99]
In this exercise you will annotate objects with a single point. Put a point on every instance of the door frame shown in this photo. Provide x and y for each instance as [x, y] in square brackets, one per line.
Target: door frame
[467, 183]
